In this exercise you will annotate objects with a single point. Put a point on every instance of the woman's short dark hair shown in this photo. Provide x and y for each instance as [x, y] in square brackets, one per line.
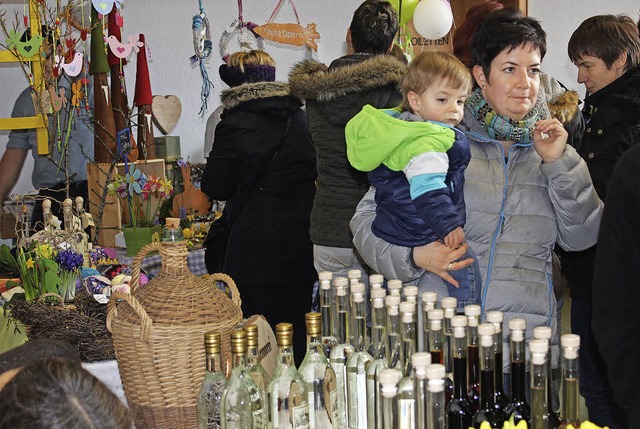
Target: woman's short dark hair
[373, 27]
[57, 394]
[505, 29]
[606, 37]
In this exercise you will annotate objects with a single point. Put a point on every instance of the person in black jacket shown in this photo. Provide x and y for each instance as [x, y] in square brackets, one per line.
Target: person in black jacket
[606, 49]
[368, 74]
[263, 164]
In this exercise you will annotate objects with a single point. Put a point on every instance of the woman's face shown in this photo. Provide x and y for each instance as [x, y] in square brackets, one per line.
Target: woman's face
[512, 86]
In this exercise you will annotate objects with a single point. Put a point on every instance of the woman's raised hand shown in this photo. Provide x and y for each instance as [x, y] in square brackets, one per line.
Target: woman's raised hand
[549, 139]
[439, 259]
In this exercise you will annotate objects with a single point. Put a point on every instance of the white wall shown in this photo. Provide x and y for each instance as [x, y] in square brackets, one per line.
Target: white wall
[167, 28]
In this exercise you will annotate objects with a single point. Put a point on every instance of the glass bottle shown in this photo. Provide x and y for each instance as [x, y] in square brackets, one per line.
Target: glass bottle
[472, 311]
[354, 277]
[436, 396]
[388, 391]
[340, 282]
[545, 333]
[395, 287]
[487, 411]
[436, 335]
[394, 341]
[429, 302]
[287, 394]
[210, 396]
[449, 305]
[376, 281]
[254, 367]
[379, 362]
[410, 293]
[570, 376]
[171, 230]
[459, 410]
[342, 351]
[406, 393]
[358, 362]
[518, 408]
[539, 380]
[326, 310]
[496, 318]
[319, 378]
[420, 361]
[242, 403]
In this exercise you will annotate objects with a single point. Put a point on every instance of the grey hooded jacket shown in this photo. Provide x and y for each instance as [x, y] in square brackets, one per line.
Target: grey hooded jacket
[516, 212]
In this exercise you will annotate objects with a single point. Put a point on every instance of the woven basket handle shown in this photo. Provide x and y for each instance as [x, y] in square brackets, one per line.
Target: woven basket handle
[112, 312]
[44, 296]
[137, 261]
[231, 285]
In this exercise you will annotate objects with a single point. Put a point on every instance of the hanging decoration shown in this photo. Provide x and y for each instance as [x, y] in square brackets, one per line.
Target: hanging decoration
[103, 7]
[247, 38]
[289, 34]
[73, 68]
[123, 50]
[202, 45]
[433, 19]
[142, 99]
[26, 49]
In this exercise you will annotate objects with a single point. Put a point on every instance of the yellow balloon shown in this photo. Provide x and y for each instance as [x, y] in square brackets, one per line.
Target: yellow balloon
[405, 12]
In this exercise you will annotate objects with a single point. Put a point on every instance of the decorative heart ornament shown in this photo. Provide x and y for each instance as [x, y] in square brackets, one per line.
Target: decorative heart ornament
[165, 111]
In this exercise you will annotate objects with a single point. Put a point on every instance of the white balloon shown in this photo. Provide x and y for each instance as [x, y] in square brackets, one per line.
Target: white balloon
[432, 19]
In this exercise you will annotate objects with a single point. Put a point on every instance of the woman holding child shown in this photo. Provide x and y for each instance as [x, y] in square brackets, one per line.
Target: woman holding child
[525, 188]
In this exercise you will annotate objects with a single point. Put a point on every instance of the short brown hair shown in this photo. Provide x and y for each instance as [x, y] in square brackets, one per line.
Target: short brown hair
[253, 58]
[430, 66]
[606, 37]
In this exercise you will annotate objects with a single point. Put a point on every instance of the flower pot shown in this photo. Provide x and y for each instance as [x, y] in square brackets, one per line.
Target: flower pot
[138, 237]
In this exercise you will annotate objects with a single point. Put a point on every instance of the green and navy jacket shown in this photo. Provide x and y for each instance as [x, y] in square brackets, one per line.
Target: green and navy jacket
[417, 168]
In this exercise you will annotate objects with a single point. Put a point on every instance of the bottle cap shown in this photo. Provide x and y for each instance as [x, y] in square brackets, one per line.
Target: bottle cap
[495, 316]
[325, 284]
[392, 300]
[435, 370]
[313, 321]
[341, 290]
[238, 341]
[252, 335]
[354, 274]
[458, 321]
[542, 332]
[570, 345]
[472, 310]
[486, 329]
[284, 334]
[325, 275]
[212, 342]
[172, 222]
[388, 379]
[394, 286]
[340, 281]
[435, 314]
[538, 349]
[420, 359]
[517, 324]
[376, 279]
[410, 291]
[358, 288]
[407, 307]
[378, 293]
[449, 302]
[431, 297]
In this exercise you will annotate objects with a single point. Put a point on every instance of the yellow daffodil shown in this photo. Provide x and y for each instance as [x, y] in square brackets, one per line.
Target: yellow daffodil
[30, 263]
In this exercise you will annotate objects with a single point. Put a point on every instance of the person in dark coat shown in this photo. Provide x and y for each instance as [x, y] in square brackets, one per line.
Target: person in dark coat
[263, 164]
[370, 73]
[606, 49]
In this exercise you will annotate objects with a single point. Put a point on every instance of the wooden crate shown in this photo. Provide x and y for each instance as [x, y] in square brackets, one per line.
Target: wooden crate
[111, 218]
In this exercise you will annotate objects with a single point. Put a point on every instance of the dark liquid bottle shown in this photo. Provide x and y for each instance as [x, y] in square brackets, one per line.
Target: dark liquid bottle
[437, 345]
[487, 411]
[518, 409]
[459, 412]
[496, 317]
[472, 312]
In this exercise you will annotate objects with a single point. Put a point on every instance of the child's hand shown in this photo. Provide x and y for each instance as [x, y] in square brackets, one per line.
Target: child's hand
[455, 238]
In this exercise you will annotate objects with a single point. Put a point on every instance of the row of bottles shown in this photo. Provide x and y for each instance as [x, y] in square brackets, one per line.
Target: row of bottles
[448, 374]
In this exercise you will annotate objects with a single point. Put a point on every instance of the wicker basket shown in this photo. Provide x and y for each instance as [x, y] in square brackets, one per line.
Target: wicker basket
[158, 333]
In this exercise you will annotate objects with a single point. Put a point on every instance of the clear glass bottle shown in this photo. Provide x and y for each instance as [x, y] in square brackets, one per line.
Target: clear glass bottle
[254, 367]
[436, 335]
[210, 396]
[388, 391]
[539, 380]
[473, 311]
[487, 411]
[496, 318]
[545, 333]
[358, 362]
[242, 404]
[460, 411]
[394, 341]
[326, 310]
[449, 305]
[436, 396]
[395, 287]
[319, 377]
[288, 398]
[171, 230]
[342, 351]
[354, 277]
[378, 352]
[518, 408]
[570, 376]
[406, 393]
[429, 302]
[420, 361]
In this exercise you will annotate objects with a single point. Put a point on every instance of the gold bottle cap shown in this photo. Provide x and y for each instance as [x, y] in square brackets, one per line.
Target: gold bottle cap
[314, 323]
[172, 222]
[252, 335]
[212, 342]
[284, 334]
[238, 341]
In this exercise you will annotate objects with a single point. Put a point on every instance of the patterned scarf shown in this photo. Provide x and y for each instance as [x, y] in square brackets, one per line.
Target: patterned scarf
[500, 127]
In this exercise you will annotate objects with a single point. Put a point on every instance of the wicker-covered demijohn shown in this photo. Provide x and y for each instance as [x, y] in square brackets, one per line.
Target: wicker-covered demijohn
[158, 333]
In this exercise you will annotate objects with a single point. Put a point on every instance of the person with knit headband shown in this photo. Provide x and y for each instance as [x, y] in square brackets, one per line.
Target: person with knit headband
[525, 188]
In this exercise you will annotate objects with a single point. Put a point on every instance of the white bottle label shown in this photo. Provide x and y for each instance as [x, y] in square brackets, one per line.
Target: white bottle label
[301, 417]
